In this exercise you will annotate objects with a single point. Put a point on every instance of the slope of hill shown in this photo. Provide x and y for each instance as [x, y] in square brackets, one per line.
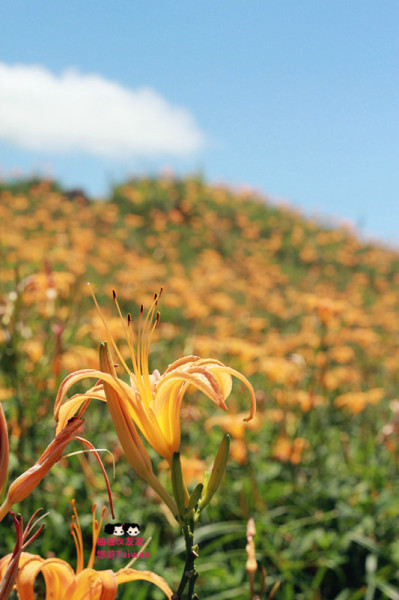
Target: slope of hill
[309, 314]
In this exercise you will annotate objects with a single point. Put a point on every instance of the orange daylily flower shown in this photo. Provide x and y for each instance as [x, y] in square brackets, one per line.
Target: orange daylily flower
[151, 401]
[84, 584]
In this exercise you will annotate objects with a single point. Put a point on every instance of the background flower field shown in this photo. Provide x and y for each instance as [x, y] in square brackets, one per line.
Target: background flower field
[309, 314]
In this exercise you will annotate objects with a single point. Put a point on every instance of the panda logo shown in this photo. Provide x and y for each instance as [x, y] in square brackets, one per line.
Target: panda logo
[131, 529]
[114, 529]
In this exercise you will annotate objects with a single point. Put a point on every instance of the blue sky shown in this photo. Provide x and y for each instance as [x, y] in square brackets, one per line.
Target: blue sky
[297, 99]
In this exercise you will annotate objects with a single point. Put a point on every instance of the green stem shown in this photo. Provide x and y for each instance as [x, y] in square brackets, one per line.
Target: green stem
[190, 573]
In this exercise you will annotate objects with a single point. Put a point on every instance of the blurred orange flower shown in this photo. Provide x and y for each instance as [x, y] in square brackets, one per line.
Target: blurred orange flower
[357, 401]
[287, 450]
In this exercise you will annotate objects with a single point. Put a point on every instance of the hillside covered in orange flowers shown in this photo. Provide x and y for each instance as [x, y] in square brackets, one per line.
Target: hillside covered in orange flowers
[243, 279]
[309, 314]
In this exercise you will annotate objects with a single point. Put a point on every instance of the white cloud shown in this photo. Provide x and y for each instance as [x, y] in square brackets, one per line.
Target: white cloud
[87, 113]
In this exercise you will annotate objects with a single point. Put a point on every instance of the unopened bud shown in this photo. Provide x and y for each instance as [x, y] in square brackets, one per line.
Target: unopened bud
[251, 531]
[178, 483]
[24, 485]
[219, 467]
[251, 565]
[195, 497]
[130, 440]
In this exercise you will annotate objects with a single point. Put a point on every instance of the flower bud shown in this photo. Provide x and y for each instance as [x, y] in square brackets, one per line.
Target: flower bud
[178, 483]
[195, 497]
[219, 467]
[130, 440]
[251, 565]
[251, 530]
[24, 485]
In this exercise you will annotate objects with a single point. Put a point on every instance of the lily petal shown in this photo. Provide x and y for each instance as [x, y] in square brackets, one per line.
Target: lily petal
[68, 382]
[58, 576]
[72, 405]
[227, 370]
[93, 585]
[125, 575]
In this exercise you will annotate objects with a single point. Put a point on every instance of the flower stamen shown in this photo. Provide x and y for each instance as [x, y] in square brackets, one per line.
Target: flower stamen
[96, 532]
[76, 533]
[111, 337]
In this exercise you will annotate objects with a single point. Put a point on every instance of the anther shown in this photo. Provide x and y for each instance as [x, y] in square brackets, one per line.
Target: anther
[158, 317]
[114, 294]
[129, 318]
[141, 309]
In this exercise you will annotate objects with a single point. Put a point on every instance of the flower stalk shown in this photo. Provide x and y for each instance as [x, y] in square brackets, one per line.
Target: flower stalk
[179, 488]
[190, 573]
[187, 506]
[189, 509]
